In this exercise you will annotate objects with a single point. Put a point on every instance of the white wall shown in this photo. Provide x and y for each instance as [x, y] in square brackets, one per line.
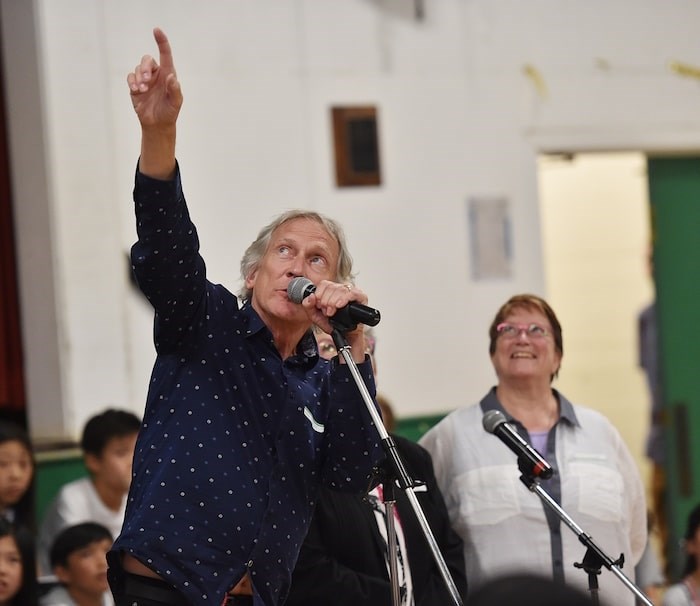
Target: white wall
[458, 118]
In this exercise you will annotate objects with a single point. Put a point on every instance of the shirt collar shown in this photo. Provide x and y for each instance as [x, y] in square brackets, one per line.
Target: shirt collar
[306, 348]
[566, 408]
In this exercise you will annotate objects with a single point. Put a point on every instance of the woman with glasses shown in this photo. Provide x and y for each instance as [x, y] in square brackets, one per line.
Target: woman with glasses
[505, 527]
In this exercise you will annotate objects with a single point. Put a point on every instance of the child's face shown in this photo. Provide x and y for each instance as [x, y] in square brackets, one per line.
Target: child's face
[113, 467]
[85, 572]
[692, 546]
[10, 569]
[16, 471]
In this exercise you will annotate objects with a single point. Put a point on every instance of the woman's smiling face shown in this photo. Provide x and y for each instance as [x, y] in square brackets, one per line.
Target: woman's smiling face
[525, 347]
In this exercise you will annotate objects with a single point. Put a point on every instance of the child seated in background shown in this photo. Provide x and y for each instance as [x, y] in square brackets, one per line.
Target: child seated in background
[79, 561]
[108, 443]
[16, 475]
[18, 586]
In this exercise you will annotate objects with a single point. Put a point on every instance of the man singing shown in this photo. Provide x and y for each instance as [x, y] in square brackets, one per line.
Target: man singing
[243, 420]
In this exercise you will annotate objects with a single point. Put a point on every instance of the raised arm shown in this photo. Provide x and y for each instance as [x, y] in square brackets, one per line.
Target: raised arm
[157, 98]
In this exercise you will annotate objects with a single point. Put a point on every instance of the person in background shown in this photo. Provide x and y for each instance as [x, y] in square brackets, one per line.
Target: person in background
[344, 558]
[648, 342]
[107, 442]
[687, 591]
[17, 467]
[505, 527]
[79, 562]
[653, 566]
[18, 585]
[243, 421]
[655, 448]
[528, 590]
[648, 571]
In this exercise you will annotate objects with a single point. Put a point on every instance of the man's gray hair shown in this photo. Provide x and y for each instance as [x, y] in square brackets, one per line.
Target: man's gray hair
[255, 252]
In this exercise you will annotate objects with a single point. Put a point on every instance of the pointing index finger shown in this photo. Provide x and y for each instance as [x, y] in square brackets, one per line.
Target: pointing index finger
[166, 54]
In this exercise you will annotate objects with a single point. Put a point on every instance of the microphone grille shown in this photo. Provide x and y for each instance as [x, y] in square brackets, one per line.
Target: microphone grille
[296, 288]
[492, 419]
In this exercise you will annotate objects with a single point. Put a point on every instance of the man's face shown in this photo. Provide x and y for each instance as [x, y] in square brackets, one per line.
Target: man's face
[299, 247]
[326, 346]
[113, 466]
[86, 571]
[16, 472]
[10, 569]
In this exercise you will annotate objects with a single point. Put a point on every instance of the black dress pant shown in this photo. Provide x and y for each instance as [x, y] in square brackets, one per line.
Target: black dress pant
[131, 589]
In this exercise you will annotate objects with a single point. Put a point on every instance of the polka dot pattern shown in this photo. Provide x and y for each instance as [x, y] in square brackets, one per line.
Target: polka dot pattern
[228, 461]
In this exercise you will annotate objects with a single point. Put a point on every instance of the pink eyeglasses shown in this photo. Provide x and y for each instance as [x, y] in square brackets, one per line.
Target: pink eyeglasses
[511, 331]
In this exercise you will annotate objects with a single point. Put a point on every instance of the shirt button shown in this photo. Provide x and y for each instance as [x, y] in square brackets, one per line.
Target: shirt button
[250, 563]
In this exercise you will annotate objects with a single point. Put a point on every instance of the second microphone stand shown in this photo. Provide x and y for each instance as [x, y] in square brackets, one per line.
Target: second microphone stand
[595, 557]
[394, 472]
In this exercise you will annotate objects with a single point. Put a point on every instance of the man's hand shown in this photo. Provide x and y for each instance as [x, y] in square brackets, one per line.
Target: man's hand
[157, 99]
[325, 301]
[155, 91]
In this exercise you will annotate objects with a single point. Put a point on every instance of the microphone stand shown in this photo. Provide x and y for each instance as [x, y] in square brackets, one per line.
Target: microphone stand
[393, 472]
[595, 557]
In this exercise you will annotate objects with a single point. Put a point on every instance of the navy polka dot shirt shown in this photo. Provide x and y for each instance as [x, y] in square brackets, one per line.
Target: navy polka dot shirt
[235, 441]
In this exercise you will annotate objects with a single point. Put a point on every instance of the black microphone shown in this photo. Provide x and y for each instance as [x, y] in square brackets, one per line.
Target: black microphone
[494, 422]
[351, 314]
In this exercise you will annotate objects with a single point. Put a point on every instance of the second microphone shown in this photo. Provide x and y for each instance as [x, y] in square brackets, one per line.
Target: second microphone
[530, 461]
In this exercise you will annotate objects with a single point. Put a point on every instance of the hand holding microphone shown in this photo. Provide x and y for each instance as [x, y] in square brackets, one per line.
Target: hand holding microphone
[346, 317]
[531, 462]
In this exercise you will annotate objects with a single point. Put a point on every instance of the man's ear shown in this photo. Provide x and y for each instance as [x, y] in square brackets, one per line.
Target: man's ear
[250, 279]
[62, 574]
[92, 462]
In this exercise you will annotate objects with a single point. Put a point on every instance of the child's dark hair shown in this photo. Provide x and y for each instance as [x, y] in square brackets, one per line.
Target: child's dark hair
[24, 508]
[692, 527]
[75, 537]
[101, 428]
[28, 594]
